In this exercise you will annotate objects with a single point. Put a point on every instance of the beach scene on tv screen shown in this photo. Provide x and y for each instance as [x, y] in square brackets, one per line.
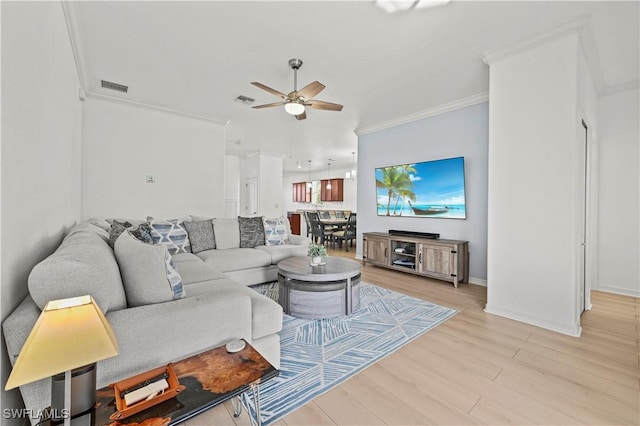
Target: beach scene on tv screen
[426, 189]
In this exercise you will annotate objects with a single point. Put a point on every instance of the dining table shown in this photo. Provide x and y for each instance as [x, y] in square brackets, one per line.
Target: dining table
[337, 222]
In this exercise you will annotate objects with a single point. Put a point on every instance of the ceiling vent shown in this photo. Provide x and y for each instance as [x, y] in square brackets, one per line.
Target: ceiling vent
[244, 100]
[114, 86]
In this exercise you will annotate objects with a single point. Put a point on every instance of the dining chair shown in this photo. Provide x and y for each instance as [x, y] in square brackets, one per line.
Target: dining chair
[308, 222]
[318, 233]
[348, 234]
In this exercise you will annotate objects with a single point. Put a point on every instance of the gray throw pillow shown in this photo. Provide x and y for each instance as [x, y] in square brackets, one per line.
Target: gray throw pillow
[251, 232]
[201, 235]
[148, 273]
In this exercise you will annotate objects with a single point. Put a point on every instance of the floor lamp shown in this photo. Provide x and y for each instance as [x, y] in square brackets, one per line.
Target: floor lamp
[70, 336]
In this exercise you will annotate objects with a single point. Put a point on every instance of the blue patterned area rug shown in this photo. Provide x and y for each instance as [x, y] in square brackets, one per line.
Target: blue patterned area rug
[317, 355]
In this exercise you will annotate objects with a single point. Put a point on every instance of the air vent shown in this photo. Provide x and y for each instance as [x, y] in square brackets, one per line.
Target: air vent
[244, 100]
[114, 86]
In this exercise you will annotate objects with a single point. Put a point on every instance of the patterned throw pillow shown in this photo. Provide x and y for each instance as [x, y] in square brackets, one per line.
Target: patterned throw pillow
[275, 231]
[142, 232]
[251, 231]
[201, 235]
[172, 234]
[174, 278]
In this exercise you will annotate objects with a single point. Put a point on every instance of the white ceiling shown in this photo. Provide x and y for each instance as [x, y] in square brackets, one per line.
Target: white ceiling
[197, 57]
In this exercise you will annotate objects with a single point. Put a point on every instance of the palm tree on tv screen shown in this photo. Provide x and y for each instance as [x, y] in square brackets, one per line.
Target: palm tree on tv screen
[397, 181]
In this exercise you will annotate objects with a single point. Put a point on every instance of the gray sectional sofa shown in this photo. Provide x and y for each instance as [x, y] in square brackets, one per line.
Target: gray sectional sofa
[156, 323]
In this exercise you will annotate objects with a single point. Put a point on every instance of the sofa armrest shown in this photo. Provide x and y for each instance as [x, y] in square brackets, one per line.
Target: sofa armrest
[18, 325]
[299, 240]
[152, 335]
[148, 336]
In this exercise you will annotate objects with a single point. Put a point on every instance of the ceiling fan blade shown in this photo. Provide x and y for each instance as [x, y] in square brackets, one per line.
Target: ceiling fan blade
[269, 89]
[323, 105]
[268, 105]
[301, 116]
[311, 89]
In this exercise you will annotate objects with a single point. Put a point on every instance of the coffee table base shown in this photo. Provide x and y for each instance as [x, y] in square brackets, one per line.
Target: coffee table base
[308, 299]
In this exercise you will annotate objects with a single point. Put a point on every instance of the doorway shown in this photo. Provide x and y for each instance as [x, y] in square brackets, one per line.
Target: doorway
[251, 208]
[584, 196]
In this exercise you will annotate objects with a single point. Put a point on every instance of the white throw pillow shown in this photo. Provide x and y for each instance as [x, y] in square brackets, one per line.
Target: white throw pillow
[227, 233]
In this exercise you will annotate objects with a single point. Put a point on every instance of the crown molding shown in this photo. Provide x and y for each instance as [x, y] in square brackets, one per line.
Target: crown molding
[619, 88]
[220, 121]
[440, 109]
[556, 33]
[73, 40]
[580, 26]
[83, 92]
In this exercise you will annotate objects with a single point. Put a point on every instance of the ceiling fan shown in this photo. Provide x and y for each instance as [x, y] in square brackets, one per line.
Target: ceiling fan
[296, 101]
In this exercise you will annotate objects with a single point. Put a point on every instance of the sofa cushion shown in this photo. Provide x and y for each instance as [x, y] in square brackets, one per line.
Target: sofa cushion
[201, 235]
[234, 259]
[251, 231]
[83, 259]
[195, 270]
[227, 233]
[276, 231]
[148, 272]
[266, 315]
[172, 234]
[279, 253]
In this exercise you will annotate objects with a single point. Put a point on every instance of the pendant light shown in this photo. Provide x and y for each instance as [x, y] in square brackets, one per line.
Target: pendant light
[329, 175]
[309, 183]
[352, 174]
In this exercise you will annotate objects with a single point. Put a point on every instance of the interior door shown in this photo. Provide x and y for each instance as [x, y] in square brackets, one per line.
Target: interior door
[252, 196]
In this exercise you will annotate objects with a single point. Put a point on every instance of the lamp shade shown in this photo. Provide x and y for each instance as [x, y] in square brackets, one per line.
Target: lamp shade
[69, 333]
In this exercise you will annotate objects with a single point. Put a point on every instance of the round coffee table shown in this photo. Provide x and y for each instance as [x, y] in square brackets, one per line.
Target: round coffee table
[324, 291]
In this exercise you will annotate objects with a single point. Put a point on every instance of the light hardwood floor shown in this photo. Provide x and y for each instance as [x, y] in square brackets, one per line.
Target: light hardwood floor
[478, 368]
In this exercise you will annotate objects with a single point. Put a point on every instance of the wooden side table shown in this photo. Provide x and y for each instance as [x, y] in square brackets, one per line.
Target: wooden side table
[210, 378]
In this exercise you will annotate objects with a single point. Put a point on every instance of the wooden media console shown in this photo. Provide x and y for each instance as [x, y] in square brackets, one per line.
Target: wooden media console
[446, 260]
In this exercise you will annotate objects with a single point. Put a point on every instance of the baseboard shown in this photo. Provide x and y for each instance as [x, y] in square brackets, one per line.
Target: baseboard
[477, 281]
[574, 331]
[618, 290]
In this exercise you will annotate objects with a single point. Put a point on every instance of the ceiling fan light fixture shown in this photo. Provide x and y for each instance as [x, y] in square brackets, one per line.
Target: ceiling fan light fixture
[294, 108]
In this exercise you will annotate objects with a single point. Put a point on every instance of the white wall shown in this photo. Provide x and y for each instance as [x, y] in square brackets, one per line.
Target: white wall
[231, 186]
[459, 133]
[271, 186]
[533, 169]
[41, 128]
[619, 188]
[124, 143]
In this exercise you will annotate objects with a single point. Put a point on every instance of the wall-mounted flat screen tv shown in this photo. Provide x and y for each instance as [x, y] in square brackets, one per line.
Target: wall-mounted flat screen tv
[428, 189]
